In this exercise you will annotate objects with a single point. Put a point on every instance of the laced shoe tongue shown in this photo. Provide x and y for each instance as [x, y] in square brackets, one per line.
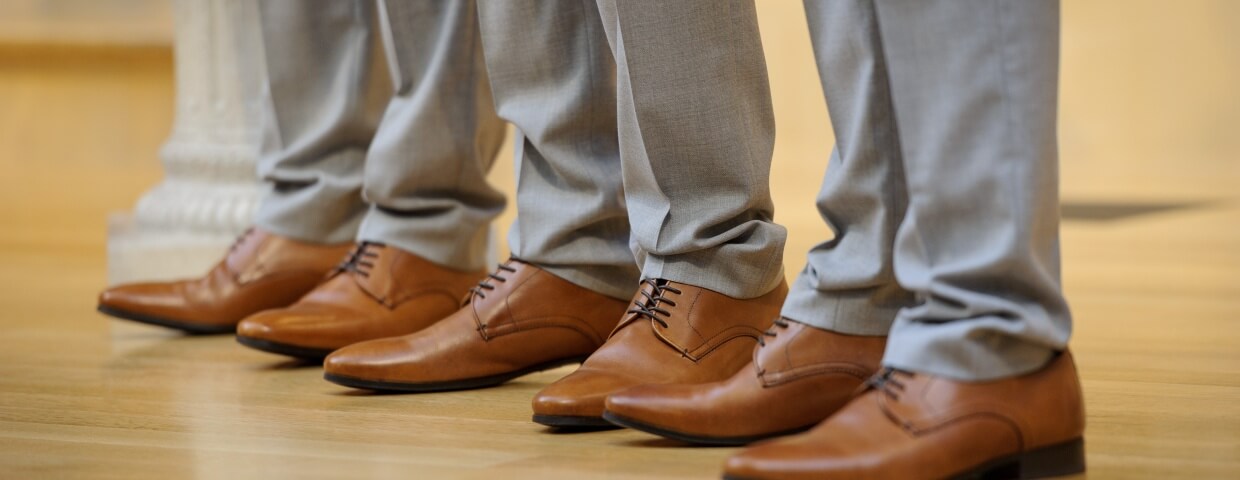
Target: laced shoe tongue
[887, 382]
[657, 286]
[772, 332]
[651, 305]
[361, 260]
[645, 305]
[498, 276]
[242, 252]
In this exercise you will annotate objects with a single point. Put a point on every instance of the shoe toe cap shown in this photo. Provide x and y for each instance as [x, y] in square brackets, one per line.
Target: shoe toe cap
[163, 301]
[805, 456]
[254, 327]
[349, 360]
[382, 359]
[582, 393]
[771, 459]
[303, 327]
[636, 401]
[138, 298]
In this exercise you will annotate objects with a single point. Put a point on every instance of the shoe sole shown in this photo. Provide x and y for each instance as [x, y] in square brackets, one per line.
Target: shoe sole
[1066, 458]
[573, 422]
[447, 386]
[696, 439]
[296, 351]
[194, 328]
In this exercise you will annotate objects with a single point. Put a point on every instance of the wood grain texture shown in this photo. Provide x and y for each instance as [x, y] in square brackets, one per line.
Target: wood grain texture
[1150, 113]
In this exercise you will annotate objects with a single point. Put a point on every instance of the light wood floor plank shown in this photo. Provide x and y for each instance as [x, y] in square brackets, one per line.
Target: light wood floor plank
[1149, 116]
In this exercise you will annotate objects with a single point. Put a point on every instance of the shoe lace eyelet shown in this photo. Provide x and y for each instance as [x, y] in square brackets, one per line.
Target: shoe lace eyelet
[654, 299]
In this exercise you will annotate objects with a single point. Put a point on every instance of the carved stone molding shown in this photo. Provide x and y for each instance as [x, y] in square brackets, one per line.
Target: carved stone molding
[210, 189]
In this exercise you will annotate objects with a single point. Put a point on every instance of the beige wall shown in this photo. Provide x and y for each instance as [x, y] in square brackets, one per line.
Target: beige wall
[61, 22]
[1150, 109]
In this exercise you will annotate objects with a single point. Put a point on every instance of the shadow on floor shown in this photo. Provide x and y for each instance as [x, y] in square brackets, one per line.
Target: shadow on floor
[1117, 211]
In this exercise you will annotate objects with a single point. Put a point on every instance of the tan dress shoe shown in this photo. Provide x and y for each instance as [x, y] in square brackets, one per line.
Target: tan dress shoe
[379, 291]
[923, 426]
[676, 333]
[795, 381]
[261, 271]
[522, 319]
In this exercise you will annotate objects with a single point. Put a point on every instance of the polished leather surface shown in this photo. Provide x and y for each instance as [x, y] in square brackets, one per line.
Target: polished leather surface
[798, 378]
[924, 426]
[527, 317]
[703, 336]
[382, 291]
[261, 271]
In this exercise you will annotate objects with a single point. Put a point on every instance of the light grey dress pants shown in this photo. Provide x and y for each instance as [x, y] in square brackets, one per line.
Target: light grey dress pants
[942, 190]
[347, 158]
[644, 126]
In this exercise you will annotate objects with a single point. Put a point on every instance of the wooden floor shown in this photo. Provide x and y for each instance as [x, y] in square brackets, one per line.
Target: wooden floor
[1150, 136]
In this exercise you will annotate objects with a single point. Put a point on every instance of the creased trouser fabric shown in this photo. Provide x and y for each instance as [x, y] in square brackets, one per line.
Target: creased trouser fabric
[321, 106]
[554, 79]
[674, 144]
[696, 135]
[943, 188]
[426, 170]
[418, 157]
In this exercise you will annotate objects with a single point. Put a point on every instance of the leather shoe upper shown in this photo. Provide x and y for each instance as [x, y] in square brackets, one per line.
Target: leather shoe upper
[261, 271]
[799, 375]
[520, 317]
[379, 291]
[912, 425]
[676, 333]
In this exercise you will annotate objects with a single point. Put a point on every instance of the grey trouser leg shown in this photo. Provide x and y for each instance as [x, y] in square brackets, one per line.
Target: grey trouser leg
[425, 176]
[849, 284]
[973, 91]
[553, 77]
[696, 137]
[322, 104]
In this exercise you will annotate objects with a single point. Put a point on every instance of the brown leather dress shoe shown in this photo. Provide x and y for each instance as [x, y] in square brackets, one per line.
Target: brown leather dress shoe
[795, 381]
[261, 271]
[520, 320]
[676, 333]
[922, 426]
[379, 291]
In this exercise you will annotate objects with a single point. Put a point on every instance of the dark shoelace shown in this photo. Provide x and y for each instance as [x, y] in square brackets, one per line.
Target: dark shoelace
[770, 332]
[358, 260]
[654, 298]
[886, 381]
[240, 240]
[481, 288]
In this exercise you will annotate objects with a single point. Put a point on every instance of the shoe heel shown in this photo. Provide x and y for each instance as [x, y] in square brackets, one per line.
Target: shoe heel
[1063, 459]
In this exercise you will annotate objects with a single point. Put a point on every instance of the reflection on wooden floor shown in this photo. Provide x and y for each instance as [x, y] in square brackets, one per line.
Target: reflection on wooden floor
[1151, 263]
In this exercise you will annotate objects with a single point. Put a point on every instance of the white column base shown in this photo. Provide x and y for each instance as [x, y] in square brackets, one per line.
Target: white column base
[137, 254]
[210, 191]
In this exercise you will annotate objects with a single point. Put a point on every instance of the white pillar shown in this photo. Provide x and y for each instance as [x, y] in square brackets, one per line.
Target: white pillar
[210, 188]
